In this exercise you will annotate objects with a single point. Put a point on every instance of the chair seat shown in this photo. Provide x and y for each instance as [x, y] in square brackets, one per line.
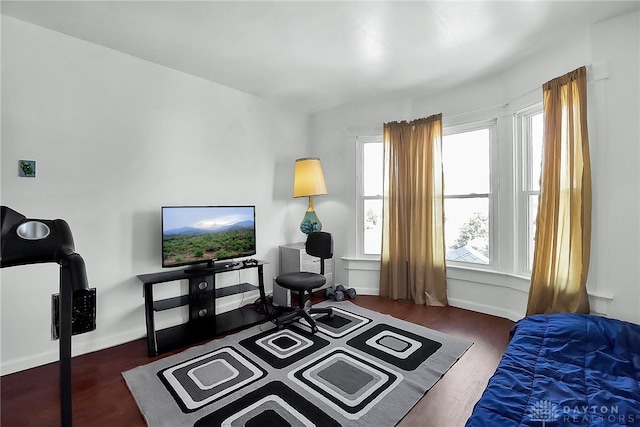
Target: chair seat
[301, 281]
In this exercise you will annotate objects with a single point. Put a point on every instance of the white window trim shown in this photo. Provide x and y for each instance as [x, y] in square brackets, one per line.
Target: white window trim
[494, 250]
[360, 197]
[522, 156]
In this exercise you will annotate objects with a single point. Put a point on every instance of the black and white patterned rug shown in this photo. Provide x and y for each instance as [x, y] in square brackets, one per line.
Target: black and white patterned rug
[361, 369]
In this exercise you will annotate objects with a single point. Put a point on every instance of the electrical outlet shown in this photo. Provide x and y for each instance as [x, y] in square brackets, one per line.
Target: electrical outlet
[83, 314]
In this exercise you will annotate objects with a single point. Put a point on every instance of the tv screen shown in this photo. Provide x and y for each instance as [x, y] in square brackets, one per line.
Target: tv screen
[203, 234]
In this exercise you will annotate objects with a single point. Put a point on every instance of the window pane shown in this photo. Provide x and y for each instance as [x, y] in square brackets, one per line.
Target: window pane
[531, 226]
[372, 226]
[372, 168]
[466, 230]
[465, 158]
[536, 152]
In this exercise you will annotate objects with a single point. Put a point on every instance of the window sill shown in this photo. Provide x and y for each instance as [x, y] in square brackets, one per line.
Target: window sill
[481, 274]
[489, 277]
[479, 289]
[361, 263]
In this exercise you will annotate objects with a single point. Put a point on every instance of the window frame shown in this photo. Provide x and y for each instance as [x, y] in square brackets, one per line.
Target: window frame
[360, 196]
[491, 125]
[524, 190]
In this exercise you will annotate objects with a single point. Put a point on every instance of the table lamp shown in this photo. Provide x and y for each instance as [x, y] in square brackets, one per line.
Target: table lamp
[308, 181]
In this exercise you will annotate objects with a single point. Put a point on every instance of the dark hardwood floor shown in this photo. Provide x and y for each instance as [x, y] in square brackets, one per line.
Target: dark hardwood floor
[101, 397]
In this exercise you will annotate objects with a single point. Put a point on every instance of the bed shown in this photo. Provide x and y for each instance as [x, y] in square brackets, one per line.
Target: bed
[565, 370]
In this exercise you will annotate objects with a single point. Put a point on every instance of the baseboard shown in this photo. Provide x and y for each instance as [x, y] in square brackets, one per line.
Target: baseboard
[78, 348]
[486, 309]
[454, 302]
[364, 290]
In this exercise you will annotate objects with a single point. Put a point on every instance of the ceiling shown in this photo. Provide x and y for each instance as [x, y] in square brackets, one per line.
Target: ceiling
[313, 55]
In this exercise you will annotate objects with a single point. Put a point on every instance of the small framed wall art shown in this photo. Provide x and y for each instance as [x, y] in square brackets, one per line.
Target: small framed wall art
[27, 168]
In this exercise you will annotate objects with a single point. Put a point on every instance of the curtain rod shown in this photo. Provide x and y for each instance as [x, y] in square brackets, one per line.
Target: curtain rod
[479, 110]
[596, 72]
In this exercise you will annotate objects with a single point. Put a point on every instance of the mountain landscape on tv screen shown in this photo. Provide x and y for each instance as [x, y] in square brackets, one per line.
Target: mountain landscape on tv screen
[185, 245]
[194, 230]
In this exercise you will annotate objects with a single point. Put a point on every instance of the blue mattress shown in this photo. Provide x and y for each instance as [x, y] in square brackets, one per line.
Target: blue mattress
[565, 370]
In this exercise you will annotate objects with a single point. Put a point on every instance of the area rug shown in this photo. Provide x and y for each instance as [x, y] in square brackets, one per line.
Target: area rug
[362, 368]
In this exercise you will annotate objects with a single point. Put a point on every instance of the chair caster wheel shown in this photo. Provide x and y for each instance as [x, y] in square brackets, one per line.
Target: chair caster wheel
[314, 330]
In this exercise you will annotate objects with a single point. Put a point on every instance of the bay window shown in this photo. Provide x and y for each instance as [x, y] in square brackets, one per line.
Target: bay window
[473, 165]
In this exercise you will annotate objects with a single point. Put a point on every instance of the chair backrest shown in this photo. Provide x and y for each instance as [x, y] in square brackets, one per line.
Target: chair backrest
[320, 244]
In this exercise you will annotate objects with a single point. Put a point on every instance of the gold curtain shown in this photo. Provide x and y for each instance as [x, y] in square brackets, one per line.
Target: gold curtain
[563, 225]
[413, 250]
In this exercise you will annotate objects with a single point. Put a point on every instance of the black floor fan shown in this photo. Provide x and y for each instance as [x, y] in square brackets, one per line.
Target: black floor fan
[30, 241]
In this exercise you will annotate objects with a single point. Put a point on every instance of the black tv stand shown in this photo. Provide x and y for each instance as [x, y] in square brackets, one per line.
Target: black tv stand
[221, 265]
[204, 323]
[212, 267]
[199, 270]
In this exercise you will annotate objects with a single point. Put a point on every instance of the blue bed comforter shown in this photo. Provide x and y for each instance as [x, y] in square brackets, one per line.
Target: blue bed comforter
[565, 370]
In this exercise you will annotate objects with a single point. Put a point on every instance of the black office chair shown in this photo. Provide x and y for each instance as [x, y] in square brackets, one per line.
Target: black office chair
[319, 244]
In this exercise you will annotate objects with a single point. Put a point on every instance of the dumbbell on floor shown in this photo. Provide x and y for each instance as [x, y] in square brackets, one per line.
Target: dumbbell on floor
[336, 295]
[350, 292]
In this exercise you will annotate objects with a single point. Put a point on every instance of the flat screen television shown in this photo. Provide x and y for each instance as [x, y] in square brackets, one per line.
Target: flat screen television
[200, 235]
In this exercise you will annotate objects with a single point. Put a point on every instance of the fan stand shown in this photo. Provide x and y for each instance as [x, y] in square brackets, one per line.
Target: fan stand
[66, 308]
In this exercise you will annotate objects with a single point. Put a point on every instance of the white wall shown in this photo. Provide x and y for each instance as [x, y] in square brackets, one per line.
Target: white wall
[611, 49]
[115, 138]
[615, 156]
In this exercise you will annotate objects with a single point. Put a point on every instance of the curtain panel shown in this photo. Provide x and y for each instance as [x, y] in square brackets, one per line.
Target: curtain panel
[563, 224]
[413, 249]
